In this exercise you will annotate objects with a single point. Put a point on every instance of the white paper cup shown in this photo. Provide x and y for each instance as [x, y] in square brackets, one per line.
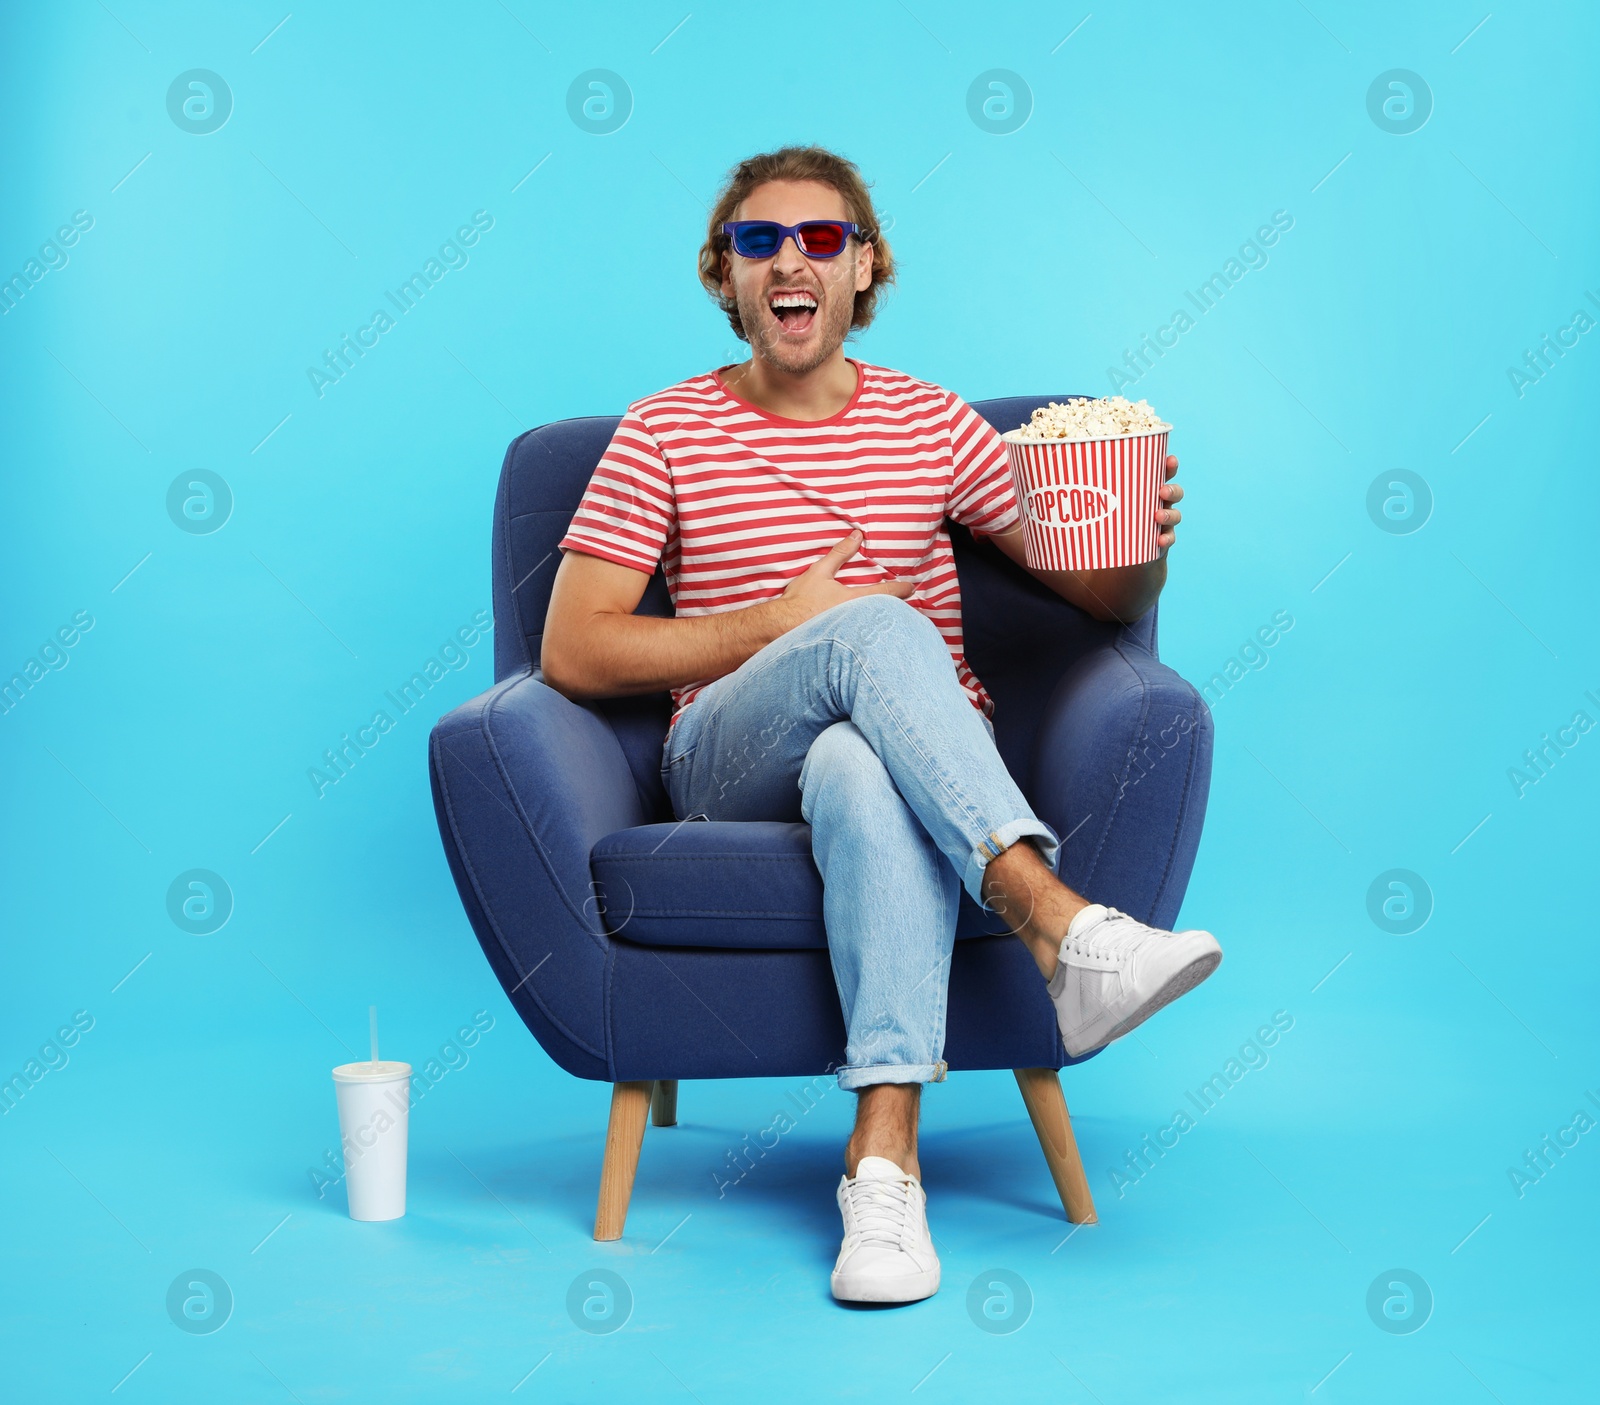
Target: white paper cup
[1088, 503]
[374, 1114]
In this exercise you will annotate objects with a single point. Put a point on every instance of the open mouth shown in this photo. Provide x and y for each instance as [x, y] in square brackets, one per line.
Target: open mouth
[795, 310]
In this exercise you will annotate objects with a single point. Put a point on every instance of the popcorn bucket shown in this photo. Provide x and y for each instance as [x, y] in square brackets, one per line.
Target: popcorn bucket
[1088, 503]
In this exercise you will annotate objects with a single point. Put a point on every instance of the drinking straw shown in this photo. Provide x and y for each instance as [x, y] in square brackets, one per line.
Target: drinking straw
[372, 1023]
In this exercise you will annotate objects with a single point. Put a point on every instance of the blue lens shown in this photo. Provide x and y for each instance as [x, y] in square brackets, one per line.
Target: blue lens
[758, 241]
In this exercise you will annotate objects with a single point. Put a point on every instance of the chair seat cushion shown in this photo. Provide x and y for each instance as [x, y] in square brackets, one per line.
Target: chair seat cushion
[714, 883]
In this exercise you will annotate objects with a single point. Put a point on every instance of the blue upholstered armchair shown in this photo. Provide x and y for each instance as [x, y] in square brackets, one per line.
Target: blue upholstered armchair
[641, 950]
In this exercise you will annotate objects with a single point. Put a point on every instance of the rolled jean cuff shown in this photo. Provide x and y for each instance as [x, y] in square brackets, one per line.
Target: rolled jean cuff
[866, 1075]
[998, 842]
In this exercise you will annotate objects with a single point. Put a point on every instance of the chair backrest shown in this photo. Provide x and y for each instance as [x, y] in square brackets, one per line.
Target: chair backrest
[1020, 637]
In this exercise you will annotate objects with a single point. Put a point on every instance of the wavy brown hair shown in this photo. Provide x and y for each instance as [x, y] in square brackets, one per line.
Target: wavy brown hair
[797, 163]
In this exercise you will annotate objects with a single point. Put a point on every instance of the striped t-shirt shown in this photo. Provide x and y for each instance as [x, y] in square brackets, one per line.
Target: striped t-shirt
[735, 502]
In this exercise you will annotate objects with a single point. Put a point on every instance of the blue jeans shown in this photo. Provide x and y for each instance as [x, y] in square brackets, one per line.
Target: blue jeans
[854, 722]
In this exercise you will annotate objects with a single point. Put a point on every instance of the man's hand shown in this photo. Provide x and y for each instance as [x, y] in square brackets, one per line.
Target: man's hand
[815, 589]
[1169, 516]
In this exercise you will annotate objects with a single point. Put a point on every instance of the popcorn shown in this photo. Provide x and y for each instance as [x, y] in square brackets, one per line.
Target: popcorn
[1091, 419]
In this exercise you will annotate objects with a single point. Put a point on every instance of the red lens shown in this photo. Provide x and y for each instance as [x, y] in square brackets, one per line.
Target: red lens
[821, 240]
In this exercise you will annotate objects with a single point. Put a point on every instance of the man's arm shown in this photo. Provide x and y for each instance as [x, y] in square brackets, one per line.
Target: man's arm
[594, 646]
[1116, 593]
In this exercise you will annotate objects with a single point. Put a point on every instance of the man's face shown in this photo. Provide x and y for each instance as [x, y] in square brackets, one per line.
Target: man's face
[796, 339]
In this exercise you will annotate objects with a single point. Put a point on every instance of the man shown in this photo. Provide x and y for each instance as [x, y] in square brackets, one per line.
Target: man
[798, 501]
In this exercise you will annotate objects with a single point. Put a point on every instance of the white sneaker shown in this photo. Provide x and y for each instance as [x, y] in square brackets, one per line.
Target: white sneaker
[1113, 973]
[887, 1255]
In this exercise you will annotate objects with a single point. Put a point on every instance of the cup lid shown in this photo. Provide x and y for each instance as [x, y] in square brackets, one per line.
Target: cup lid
[384, 1071]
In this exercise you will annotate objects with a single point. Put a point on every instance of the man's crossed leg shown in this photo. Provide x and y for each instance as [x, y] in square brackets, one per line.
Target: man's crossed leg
[854, 721]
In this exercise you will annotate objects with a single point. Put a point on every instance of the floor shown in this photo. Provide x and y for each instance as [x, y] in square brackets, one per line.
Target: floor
[1370, 1138]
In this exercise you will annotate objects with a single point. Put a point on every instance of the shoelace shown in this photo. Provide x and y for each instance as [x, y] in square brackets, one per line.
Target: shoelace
[880, 1211]
[1107, 938]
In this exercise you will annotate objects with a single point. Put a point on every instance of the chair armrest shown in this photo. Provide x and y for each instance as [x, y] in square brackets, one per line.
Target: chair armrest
[1121, 770]
[525, 781]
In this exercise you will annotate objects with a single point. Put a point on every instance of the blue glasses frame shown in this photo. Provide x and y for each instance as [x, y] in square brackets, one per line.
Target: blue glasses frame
[761, 239]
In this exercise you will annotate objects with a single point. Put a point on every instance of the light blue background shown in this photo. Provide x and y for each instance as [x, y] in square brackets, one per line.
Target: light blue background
[1379, 734]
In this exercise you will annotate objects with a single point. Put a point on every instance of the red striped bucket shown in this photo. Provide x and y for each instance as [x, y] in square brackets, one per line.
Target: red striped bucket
[1088, 503]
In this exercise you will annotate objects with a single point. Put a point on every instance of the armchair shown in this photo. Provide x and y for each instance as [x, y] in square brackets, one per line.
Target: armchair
[641, 950]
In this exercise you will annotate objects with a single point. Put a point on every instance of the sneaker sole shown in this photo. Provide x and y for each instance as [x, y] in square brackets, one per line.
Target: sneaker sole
[906, 1288]
[1181, 982]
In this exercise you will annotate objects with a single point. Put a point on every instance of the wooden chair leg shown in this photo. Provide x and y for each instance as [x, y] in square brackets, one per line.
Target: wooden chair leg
[1041, 1091]
[664, 1103]
[630, 1107]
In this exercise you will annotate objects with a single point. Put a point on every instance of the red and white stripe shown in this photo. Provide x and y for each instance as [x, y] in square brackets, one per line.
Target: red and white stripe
[1090, 503]
[734, 503]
